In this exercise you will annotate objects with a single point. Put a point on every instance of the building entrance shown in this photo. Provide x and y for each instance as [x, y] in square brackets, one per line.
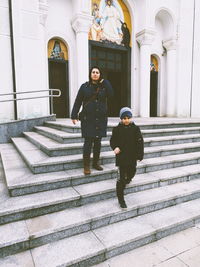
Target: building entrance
[154, 87]
[58, 79]
[153, 93]
[114, 61]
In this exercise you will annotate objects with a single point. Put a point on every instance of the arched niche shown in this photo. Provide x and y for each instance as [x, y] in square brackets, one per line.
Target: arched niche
[164, 24]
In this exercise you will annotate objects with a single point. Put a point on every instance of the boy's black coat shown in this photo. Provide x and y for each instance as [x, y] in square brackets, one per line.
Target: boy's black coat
[130, 141]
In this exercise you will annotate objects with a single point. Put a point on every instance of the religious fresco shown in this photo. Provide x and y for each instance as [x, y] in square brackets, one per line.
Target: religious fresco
[154, 64]
[111, 22]
[57, 50]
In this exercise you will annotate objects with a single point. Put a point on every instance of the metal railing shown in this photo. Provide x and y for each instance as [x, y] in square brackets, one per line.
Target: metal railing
[51, 96]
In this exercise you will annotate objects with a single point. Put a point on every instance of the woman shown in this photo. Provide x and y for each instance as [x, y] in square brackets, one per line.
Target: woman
[92, 96]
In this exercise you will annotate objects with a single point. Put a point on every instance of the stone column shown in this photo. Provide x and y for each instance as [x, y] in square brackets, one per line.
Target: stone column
[145, 39]
[81, 24]
[171, 100]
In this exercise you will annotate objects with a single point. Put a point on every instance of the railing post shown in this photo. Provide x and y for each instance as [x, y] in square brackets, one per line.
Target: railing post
[51, 103]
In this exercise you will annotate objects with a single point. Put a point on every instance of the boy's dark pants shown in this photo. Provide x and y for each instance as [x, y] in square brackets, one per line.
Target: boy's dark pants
[126, 173]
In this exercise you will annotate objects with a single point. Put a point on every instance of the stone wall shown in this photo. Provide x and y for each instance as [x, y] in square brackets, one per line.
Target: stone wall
[16, 128]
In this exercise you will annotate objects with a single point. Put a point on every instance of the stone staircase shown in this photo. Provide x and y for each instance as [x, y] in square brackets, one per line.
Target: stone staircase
[62, 218]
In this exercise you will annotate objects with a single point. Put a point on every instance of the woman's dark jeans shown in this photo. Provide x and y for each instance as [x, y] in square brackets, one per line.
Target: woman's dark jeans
[87, 147]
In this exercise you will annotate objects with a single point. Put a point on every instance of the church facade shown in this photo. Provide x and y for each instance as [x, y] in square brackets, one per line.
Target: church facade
[148, 49]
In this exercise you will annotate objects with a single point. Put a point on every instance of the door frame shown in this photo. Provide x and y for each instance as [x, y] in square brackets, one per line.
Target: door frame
[120, 48]
[67, 82]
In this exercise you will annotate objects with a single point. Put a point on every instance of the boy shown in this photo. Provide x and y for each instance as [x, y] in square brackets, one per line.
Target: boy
[128, 145]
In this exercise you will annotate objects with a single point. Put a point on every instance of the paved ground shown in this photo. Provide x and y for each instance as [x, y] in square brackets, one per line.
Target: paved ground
[178, 250]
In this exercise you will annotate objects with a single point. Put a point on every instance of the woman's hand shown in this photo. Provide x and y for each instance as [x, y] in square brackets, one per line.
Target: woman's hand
[74, 121]
[117, 150]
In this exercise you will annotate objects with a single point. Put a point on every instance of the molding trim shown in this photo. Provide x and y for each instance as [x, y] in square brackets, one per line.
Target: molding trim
[145, 37]
[43, 11]
[81, 23]
[170, 44]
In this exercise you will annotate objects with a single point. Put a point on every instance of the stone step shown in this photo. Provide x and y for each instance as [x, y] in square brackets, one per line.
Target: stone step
[53, 148]
[69, 138]
[170, 131]
[171, 140]
[64, 137]
[17, 208]
[59, 136]
[39, 162]
[21, 181]
[67, 126]
[101, 243]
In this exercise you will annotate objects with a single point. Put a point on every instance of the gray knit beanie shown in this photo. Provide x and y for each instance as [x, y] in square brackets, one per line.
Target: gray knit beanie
[125, 112]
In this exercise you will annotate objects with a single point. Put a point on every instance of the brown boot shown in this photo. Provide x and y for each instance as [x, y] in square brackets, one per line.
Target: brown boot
[86, 164]
[96, 165]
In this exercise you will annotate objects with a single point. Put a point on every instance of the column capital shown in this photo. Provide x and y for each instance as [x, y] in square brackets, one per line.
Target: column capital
[43, 9]
[170, 44]
[145, 37]
[81, 23]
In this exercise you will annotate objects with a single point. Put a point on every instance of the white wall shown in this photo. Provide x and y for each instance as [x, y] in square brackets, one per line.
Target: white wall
[59, 25]
[195, 97]
[6, 85]
[184, 59]
[30, 58]
[31, 39]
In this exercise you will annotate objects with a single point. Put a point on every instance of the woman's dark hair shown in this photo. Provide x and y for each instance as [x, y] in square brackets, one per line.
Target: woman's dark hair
[90, 72]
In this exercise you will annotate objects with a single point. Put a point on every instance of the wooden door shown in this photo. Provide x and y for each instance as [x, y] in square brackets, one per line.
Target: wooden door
[58, 79]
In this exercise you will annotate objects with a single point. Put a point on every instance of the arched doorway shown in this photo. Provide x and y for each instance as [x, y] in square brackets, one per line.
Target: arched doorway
[110, 49]
[154, 87]
[58, 76]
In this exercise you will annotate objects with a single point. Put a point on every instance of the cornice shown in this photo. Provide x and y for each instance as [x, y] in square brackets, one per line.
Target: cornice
[145, 37]
[81, 23]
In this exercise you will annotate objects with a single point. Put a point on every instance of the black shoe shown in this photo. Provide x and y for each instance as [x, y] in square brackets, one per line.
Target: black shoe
[123, 205]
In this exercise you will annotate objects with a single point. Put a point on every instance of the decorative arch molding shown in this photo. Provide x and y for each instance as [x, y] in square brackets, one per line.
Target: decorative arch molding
[168, 21]
[157, 57]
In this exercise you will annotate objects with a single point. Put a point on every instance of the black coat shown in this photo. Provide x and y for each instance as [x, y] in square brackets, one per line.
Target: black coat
[94, 105]
[130, 141]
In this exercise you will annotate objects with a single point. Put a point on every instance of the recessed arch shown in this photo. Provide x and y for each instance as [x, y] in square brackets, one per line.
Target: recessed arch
[165, 23]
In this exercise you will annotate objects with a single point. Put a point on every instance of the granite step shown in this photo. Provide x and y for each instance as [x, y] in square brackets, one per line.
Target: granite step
[67, 126]
[61, 137]
[59, 225]
[39, 162]
[17, 208]
[21, 181]
[170, 131]
[53, 148]
[97, 245]
[171, 140]
[65, 137]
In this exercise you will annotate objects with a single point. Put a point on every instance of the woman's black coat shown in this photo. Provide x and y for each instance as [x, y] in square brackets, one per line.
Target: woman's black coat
[94, 116]
[130, 142]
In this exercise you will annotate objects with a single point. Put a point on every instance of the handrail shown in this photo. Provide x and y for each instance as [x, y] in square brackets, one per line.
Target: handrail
[29, 92]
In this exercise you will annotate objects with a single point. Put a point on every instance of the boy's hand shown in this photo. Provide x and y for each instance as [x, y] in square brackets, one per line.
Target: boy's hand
[117, 150]
[74, 121]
